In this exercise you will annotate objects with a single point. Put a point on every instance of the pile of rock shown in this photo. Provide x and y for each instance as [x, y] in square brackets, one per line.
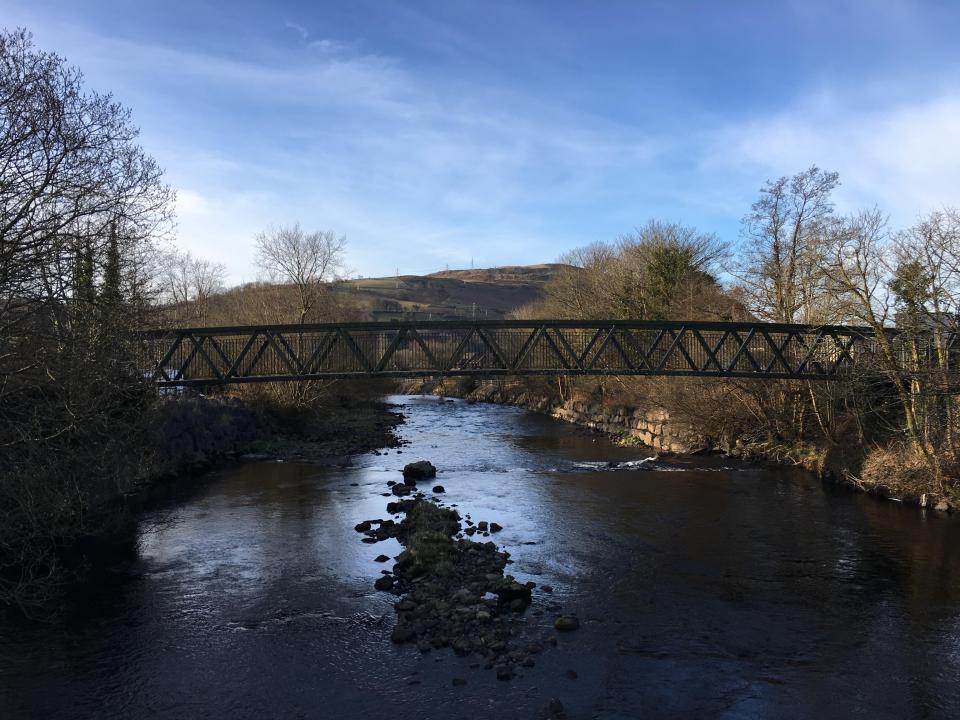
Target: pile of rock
[385, 529]
[412, 474]
[482, 527]
[453, 591]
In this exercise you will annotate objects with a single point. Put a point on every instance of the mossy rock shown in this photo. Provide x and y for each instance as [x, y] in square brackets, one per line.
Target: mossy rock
[566, 623]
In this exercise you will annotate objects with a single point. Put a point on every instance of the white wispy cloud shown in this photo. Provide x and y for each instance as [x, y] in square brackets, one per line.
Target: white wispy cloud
[390, 160]
[903, 157]
[298, 29]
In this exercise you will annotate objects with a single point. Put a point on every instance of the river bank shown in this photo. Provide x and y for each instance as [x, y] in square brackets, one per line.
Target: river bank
[185, 440]
[197, 433]
[195, 436]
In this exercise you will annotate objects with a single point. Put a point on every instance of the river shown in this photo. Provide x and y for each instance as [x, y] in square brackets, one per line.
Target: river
[706, 589]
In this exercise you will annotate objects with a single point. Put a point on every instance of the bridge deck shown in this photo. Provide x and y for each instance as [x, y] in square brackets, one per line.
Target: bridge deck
[240, 354]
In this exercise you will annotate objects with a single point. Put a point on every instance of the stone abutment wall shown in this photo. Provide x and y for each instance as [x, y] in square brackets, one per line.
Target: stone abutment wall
[652, 427]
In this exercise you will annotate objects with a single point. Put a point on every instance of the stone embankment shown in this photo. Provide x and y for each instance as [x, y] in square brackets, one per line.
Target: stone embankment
[652, 427]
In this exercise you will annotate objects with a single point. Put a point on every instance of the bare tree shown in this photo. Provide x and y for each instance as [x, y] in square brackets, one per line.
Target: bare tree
[926, 287]
[858, 264]
[577, 286]
[782, 243]
[306, 260]
[933, 244]
[81, 208]
[189, 282]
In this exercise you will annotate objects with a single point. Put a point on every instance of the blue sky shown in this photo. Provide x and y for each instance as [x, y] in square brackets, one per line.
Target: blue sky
[430, 133]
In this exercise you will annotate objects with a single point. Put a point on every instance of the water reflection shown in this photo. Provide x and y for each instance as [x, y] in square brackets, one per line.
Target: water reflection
[709, 590]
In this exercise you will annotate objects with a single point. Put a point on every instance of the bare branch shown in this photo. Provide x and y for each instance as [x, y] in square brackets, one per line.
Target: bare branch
[308, 261]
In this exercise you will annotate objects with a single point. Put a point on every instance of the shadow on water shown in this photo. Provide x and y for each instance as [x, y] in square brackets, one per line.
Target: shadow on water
[706, 589]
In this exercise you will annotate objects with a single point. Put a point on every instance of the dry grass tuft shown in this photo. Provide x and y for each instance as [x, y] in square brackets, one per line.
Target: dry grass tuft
[897, 469]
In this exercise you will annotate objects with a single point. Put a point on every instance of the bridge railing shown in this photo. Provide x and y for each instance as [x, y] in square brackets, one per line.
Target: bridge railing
[489, 348]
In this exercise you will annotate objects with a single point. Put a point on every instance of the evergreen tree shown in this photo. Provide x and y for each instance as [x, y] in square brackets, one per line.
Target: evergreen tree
[84, 290]
[111, 294]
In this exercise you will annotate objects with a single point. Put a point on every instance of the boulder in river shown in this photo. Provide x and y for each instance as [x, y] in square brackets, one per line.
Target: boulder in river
[384, 583]
[510, 591]
[566, 623]
[439, 489]
[553, 710]
[420, 470]
[494, 527]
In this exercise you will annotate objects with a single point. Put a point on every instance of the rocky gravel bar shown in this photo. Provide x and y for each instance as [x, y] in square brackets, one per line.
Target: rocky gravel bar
[452, 591]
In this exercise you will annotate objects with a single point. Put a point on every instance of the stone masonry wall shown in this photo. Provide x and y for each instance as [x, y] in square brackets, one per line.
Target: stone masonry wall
[651, 427]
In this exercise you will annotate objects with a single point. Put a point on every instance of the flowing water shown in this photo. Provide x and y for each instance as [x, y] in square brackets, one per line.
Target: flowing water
[706, 589]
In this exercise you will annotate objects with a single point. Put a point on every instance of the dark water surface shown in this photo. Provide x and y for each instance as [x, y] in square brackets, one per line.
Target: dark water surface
[705, 591]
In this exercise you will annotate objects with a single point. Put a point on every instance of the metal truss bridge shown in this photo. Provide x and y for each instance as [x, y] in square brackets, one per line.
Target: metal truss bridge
[268, 353]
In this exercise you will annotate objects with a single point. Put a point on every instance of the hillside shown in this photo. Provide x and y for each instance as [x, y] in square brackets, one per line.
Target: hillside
[523, 274]
[488, 293]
